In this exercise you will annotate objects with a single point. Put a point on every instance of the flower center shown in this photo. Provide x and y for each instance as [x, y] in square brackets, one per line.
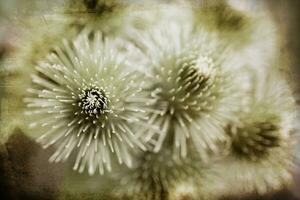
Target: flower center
[93, 101]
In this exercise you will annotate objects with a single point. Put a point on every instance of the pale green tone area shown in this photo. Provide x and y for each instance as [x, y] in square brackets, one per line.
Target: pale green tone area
[36, 45]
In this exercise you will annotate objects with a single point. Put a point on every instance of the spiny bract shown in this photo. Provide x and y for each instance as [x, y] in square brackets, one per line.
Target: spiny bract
[193, 88]
[87, 97]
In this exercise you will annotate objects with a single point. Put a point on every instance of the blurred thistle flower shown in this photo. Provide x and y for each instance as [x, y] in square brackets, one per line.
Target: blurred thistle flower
[194, 88]
[155, 176]
[261, 144]
[87, 98]
[250, 32]
[106, 16]
[142, 16]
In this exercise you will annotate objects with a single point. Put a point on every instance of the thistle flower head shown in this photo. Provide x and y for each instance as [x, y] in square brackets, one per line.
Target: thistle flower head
[257, 134]
[93, 101]
[155, 175]
[86, 96]
[261, 150]
[193, 92]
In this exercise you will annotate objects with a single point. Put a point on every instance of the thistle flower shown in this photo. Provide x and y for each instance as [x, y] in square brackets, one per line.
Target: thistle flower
[261, 147]
[87, 98]
[251, 32]
[144, 15]
[155, 176]
[194, 89]
[106, 16]
[263, 41]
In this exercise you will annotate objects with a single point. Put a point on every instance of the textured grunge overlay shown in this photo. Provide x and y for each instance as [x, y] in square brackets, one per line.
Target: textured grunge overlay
[149, 99]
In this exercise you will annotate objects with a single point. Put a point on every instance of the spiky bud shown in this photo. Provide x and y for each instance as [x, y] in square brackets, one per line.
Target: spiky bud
[256, 135]
[261, 147]
[193, 90]
[155, 175]
[87, 98]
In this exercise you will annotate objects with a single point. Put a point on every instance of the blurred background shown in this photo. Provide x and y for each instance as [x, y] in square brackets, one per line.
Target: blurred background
[24, 169]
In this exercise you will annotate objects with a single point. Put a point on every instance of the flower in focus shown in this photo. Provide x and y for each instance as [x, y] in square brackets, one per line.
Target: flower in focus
[88, 100]
[195, 89]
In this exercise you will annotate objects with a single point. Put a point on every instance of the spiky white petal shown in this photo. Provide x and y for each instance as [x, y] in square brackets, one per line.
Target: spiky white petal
[194, 88]
[88, 100]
